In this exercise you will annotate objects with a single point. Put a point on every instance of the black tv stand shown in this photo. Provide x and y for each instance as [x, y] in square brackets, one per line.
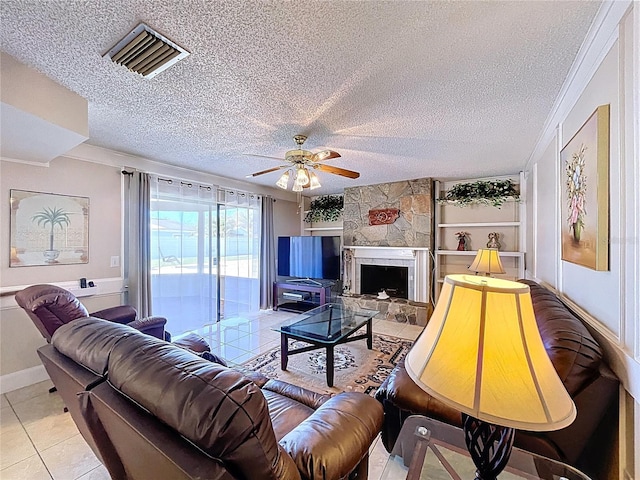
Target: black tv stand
[301, 297]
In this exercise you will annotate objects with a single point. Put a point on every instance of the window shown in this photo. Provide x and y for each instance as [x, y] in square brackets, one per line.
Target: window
[197, 275]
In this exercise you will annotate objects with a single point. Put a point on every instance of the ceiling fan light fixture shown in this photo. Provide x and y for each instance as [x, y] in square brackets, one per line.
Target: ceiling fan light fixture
[302, 178]
[314, 181]
[283, 181]
[300, 166]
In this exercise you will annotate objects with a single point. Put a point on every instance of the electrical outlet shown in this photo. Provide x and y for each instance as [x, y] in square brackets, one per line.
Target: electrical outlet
[115, 261]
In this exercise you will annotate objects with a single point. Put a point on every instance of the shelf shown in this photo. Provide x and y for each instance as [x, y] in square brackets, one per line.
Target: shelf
[479, 224]
[319, 229]
[509, 222]
[474, 252]
[297, 307]
[320, 294]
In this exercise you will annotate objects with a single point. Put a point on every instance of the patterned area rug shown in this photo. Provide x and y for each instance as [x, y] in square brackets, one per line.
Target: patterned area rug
[357, 369]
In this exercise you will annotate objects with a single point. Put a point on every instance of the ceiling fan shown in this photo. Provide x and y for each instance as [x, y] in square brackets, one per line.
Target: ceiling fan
[300, 163]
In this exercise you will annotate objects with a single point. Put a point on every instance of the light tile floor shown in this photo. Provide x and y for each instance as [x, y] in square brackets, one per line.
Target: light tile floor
[38, 441]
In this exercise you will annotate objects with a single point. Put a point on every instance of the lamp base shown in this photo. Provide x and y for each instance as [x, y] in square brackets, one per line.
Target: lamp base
[489, 446]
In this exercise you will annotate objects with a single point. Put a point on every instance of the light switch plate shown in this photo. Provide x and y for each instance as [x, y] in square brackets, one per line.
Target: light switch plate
[115, 261]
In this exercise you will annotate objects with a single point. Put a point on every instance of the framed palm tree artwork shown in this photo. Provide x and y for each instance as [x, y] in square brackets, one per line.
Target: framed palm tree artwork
[584, 183]
[48, 229]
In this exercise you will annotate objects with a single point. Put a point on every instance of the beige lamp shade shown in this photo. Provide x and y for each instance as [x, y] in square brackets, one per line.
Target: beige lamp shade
[487, 261]
[481, 353]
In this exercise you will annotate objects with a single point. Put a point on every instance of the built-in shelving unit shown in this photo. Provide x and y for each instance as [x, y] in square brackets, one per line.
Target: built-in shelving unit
[318, 228]
[478, 221]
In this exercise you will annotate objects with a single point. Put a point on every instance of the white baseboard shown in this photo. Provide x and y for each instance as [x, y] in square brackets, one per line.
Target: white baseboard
[23, 378]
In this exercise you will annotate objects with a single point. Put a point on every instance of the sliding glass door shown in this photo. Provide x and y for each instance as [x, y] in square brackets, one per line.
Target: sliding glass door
[183, 254]
[239, 215]
[205, 247]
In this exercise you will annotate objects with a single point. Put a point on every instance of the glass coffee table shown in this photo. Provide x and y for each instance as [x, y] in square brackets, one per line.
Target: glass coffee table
[428, 449]
[325, 326]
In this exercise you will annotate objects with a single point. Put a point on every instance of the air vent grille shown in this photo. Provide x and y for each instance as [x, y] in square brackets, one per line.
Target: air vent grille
[146, 52]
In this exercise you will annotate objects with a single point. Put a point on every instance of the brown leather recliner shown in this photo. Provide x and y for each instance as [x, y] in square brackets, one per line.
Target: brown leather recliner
[578, 360]
[152, 410]
[50, 307]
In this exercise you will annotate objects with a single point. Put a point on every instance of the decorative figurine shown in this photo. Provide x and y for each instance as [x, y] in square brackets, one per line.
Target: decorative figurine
[462, 241]
[493, 241]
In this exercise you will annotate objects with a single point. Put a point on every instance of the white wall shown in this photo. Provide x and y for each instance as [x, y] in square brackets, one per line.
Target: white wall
[606, 72]
[286, 218]
[19, 338]
[100, 183]
[588, 287]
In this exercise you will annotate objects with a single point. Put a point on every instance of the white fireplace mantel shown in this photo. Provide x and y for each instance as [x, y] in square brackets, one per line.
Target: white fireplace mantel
[415, 258]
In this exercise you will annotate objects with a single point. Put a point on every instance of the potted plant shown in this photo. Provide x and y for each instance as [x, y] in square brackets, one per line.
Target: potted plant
[493, 192]
[326, 208]
[52, 217]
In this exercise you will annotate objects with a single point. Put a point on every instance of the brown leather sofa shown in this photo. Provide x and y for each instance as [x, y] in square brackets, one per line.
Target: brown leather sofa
[578, 360]
[150, 409]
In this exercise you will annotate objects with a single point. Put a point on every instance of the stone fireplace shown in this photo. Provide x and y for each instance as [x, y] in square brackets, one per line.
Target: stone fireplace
[404, 243]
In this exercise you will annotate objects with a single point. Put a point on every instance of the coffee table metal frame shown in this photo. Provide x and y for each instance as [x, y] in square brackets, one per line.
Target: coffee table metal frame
[351, 320]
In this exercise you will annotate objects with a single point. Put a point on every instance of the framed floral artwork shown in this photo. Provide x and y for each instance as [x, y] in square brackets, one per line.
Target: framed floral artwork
[48, 229]
[585, 193]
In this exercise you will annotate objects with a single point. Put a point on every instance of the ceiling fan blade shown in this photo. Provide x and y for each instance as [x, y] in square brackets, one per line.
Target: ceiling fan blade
[337, 171]
[263, 156]
[324, 155]
[269, 170]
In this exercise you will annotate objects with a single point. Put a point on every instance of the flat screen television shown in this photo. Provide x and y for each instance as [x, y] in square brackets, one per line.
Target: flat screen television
[309, 257]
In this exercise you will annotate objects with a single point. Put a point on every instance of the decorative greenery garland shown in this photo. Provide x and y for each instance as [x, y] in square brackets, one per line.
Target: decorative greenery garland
[494, 193]
[326, 208]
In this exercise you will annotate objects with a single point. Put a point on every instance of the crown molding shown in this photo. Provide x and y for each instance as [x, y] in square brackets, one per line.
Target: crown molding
[25, 162]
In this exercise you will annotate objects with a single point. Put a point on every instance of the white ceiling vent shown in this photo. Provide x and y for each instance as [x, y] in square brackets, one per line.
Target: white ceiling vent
[146, 52]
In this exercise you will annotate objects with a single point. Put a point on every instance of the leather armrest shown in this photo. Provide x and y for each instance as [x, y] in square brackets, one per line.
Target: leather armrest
[333, 440]
[195, 343]
[299, 394]
[256, 377]
[400, 390]
[153, 326]
[120, 314]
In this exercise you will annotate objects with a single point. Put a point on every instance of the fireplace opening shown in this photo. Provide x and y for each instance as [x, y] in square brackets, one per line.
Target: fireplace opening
[394, 280]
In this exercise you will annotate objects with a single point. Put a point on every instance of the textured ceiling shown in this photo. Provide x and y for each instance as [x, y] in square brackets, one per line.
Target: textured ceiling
[401, 89]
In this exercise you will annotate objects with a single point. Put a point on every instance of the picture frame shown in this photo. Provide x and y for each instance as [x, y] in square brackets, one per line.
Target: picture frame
[48, 229]
[584, 185]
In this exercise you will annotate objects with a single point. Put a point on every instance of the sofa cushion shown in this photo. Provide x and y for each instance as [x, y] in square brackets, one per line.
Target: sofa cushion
[574, 353]
[89, 341]
[218, 409]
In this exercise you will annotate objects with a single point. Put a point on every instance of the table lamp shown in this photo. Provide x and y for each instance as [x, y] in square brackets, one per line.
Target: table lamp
[487, 261]
[481, 353]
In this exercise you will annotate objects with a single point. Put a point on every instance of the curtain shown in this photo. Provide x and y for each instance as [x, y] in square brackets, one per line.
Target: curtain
[267, 254]
[184, 253]
[137, 243]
